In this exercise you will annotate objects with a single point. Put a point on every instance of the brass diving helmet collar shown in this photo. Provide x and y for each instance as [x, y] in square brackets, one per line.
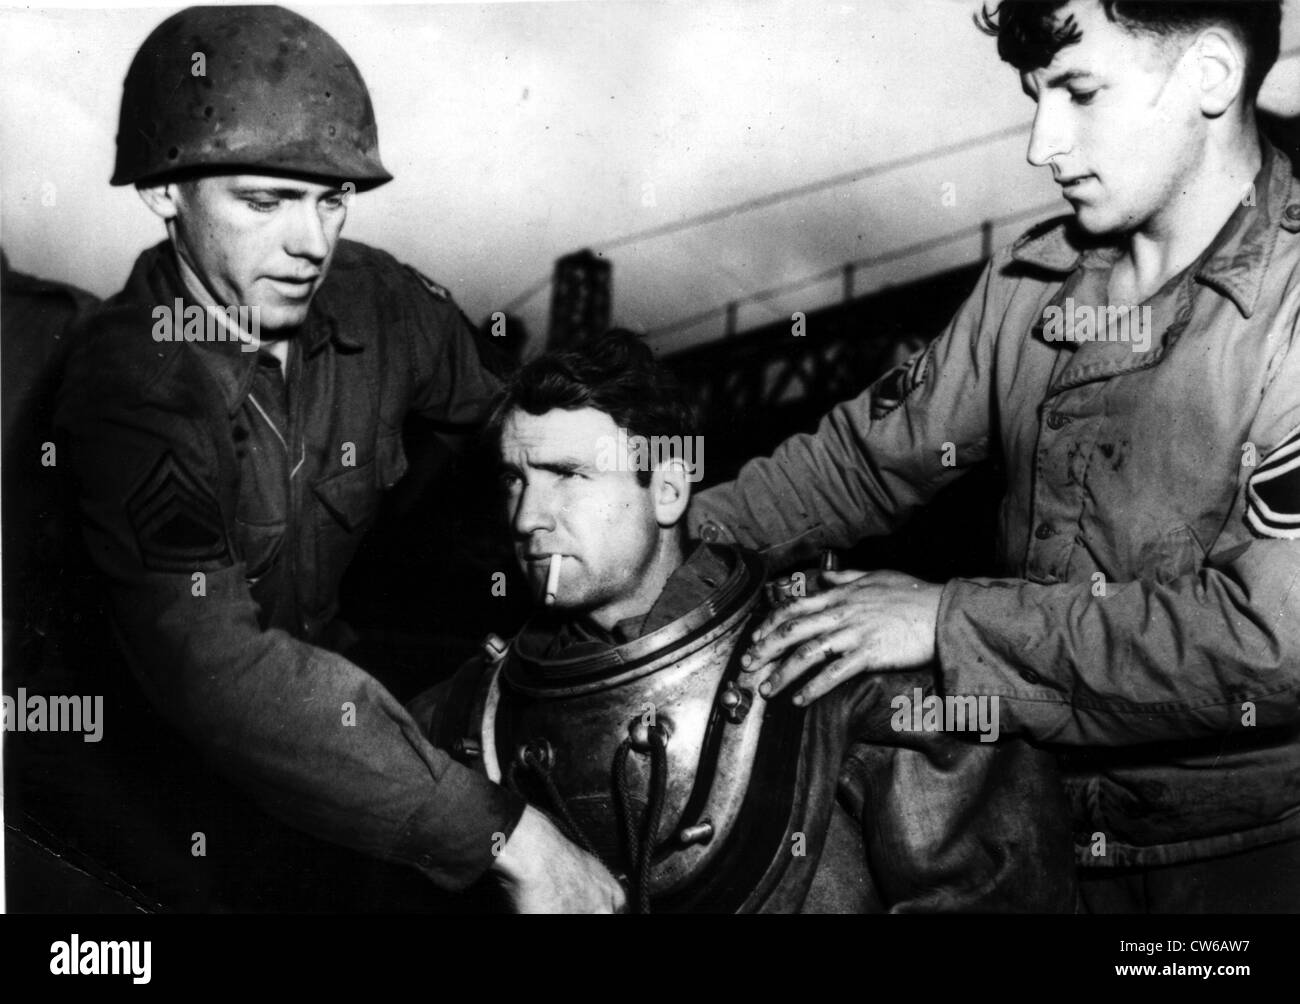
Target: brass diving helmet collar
[645, 752]
[541, 676]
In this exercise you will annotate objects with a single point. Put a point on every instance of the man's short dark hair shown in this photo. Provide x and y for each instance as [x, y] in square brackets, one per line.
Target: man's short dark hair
[615, 373]
[1029, 37]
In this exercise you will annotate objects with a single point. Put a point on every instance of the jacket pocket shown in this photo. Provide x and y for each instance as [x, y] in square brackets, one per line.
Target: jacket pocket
[348, 498]
[259, 546]
[347, 501]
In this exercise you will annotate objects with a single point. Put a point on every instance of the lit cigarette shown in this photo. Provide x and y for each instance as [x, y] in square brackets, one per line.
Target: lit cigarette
[553, 579]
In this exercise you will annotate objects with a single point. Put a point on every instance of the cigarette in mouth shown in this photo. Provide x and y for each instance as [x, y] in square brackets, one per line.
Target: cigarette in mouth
[553, 579]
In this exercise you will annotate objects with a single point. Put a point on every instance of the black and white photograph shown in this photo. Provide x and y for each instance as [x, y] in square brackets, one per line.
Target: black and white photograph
[717, 457]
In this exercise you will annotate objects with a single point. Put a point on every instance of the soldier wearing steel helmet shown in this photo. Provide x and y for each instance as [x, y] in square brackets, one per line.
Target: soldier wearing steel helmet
[232, 418]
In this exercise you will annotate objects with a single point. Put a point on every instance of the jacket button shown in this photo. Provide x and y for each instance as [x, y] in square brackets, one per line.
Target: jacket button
[709, 533]
[1057, 421]
[1044, 531]
[1292, 212]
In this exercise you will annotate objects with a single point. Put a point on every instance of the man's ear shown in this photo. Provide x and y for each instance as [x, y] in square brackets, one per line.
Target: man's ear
[163, 199]
[1221, 65]
[670, 486]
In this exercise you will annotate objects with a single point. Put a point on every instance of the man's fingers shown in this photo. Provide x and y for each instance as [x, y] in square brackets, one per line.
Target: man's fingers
[811, 604]
[617, 897]
[845, 668]
[785, 636]
[819, 650]
[791, 611]
[545, 872]
[843, 578]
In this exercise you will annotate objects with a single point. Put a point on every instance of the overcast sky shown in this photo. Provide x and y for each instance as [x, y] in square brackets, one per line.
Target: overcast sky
[520, 132]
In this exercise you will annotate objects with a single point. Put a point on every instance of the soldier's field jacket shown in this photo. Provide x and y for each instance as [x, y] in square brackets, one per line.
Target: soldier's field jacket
[1144, 617]
[222, 504]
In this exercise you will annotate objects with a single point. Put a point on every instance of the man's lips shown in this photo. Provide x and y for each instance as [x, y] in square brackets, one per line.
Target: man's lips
[295, 285]
[1070, 184]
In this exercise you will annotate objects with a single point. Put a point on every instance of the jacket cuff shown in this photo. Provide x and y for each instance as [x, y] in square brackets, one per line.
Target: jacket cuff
[980, 632]
[456, 836]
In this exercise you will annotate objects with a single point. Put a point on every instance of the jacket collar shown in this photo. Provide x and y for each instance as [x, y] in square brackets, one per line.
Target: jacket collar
[1235, 262]
[156, 280]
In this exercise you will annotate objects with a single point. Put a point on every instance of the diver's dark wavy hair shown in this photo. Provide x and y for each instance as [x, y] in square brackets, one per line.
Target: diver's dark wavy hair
[1029, 34]
[615, 373]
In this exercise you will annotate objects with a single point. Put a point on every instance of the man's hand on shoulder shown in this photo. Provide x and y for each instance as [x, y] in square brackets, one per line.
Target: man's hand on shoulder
[543, 872]
[867, 622]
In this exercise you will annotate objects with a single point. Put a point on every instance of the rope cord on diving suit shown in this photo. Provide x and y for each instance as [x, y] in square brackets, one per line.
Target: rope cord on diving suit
[640, 847]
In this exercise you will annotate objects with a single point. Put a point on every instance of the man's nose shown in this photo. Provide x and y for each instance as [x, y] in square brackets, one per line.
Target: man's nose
[1049, 136]
[306, 237]
[533, 512]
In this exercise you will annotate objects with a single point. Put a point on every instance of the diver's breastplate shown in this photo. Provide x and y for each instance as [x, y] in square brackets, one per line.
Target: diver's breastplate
[660, 732]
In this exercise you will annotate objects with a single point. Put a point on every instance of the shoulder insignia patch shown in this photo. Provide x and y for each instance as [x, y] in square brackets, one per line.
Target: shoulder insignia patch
[892, 389]
[1273, 492]
[439, 292]
[177, 522]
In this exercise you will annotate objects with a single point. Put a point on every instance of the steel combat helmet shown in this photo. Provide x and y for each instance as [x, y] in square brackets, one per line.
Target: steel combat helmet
[244, 88]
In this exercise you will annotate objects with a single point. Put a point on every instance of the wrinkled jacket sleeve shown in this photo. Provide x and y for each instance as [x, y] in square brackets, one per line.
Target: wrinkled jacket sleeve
[874, 459]
[269, 711]
[1201, 655]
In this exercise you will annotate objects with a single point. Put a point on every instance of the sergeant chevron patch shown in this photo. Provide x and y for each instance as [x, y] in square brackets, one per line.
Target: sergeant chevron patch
[177, 522]
[1273, 492]
[892, 389]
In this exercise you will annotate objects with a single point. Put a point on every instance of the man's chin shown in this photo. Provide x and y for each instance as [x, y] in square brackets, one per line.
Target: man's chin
[1090, 221]
[1101, 223]
[565, 605]
[561, 608]
[278, 321]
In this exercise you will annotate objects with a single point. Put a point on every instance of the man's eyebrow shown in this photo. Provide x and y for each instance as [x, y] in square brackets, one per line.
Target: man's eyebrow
[1056, 80]
[560, 465]
[1065, 76]
[555, 465]
[280, 193]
